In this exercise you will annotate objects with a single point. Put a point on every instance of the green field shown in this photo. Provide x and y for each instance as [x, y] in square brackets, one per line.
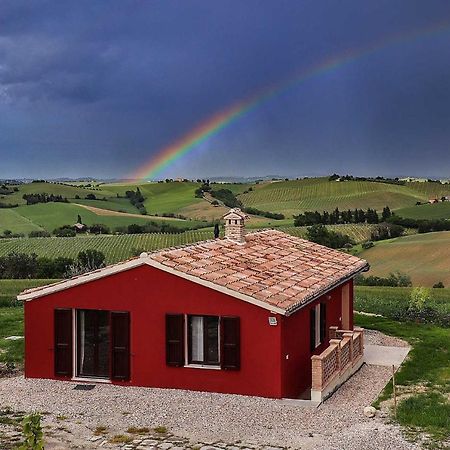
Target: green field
[429, 211]
[293, 197]
[49, 216]
[287, 197]
[424, 257]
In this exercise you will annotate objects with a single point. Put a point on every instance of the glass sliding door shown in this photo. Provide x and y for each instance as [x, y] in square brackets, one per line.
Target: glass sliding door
[93, 343]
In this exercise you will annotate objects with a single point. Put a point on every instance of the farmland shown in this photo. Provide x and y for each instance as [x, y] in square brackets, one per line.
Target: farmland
[292, 197]
[428, 211]
[117, 248]
[425, 257]
[49, 216]
[287, 197]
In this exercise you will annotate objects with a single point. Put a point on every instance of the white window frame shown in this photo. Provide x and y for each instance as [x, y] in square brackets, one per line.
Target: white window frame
[317, 325]
[186, 345]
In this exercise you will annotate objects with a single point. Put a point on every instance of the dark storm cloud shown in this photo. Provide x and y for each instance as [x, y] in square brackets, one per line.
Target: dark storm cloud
[114, 81]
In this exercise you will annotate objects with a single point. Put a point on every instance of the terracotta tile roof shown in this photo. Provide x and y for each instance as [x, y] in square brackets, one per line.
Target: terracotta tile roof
[271, 266]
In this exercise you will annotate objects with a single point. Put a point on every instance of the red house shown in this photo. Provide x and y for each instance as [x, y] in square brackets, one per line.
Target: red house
[245, 314]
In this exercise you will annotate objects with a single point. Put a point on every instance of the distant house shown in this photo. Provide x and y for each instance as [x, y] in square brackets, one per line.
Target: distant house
[260, 313]
[80, 227]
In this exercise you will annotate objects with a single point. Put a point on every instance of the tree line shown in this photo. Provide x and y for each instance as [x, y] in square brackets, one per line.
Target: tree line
[341, 217]
[35, 198]
[22, 265]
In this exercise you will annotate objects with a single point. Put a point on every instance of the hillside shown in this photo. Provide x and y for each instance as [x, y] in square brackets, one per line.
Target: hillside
[48, 216]
[292, 197]
[428, 211]
[425, 257]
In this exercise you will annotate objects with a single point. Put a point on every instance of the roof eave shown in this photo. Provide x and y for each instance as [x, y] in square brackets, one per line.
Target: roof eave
[293, 309]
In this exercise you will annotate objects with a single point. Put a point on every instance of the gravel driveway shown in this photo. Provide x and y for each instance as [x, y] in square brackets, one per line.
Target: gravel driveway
[339, 423]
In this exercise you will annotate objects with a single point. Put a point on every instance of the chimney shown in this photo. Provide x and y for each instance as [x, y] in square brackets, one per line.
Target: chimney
[235, 225]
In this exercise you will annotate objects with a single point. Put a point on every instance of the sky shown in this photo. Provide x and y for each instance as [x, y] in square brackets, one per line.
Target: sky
[98, 88]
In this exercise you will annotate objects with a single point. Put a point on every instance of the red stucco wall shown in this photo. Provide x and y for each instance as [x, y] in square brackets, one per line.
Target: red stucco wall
[296, 369]
[148, 294]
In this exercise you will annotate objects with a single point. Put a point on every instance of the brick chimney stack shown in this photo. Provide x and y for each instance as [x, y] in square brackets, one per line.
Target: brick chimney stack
[235, 225]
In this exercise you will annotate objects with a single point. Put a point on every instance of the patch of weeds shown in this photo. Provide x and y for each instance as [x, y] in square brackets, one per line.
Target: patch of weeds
[134, 430]
[100, 430]
[428, 411]
[161, 430]
[61, 417]
[65, 429]
[120, 439]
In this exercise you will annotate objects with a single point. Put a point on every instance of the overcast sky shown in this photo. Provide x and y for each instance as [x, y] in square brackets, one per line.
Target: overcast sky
[95, 88]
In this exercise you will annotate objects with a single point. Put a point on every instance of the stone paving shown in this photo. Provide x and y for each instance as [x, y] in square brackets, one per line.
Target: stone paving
[169, 441]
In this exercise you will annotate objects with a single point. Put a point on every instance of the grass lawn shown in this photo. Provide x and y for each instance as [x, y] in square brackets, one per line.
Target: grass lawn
[424, 257]
[11, 324]
[11, 318]
[423, 380]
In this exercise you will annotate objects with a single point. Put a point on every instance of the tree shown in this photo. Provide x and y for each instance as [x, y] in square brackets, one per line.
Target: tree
[216, 231]
[99, 228]
[79, 219]
[91, 259]
[18, 265]
[386, 214]
[321, 235]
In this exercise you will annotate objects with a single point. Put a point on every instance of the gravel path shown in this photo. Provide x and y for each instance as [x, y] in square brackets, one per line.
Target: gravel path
[339, 423]
[374, 337]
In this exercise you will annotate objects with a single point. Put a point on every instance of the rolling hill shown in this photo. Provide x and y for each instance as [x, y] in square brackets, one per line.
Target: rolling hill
[425, 257]
[295, 196]
[428, 211]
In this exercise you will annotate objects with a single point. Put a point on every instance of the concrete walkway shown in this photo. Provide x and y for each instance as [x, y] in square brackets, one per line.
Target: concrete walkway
[381, 355]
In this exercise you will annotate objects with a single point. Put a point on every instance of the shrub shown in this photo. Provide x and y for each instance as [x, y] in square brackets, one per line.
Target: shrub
[91, 259]
[32, 433]
[439, 285]
[367, 244]
[39, 233]
[396, 279]
[321, 235]
[99, 228]
[418, 298]
[64, 231]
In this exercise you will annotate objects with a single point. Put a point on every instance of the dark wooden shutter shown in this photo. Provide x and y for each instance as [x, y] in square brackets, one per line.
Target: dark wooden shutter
[231, 343]
[312, 329]
[323, 322]
[63, 342]
[120, 346]
[175, 340]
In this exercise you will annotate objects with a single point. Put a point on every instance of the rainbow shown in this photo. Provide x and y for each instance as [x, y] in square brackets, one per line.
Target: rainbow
[217, 122]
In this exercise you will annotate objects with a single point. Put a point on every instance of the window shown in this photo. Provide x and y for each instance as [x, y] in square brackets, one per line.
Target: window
[203, 339]
[318, 325]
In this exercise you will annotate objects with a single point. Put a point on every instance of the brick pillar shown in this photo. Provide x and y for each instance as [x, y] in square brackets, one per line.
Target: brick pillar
[350, 338]
[333, 332]
[337, 343]
[317, 373]
[361, 330]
